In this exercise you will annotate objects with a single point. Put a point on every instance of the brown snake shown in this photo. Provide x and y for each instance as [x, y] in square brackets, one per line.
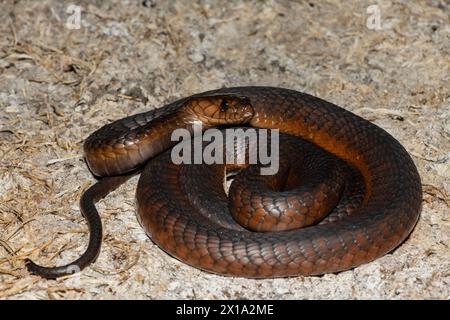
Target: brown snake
[380, 204]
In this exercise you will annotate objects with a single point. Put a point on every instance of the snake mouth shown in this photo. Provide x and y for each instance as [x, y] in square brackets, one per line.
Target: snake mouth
[224, 109]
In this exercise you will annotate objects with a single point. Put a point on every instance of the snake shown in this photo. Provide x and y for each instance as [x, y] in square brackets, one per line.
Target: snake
[301, 223]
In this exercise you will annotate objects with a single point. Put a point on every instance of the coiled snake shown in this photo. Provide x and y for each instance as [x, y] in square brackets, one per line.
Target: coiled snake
[373, 207]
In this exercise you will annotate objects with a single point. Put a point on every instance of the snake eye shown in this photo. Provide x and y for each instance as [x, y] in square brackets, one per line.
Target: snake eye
[223, 105]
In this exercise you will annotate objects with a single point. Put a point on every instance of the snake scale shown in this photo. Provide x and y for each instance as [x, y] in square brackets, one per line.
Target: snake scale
[181, 207]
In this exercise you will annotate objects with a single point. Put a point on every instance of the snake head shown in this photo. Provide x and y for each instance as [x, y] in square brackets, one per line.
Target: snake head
[223, 109]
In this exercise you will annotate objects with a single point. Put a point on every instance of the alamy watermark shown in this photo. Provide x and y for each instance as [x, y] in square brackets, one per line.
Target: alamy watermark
[373, 22]
[239, 144]
[73, 21]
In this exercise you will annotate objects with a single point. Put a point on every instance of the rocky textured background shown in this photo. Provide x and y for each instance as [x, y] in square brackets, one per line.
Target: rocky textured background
[59, 81]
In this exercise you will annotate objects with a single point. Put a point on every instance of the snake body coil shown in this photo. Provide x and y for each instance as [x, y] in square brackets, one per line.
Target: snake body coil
[381, 188]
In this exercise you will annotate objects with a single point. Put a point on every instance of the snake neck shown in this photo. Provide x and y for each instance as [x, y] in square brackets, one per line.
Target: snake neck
[125, 146]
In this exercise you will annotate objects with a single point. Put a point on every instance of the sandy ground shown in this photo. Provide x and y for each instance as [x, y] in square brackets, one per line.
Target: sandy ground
[58, 84]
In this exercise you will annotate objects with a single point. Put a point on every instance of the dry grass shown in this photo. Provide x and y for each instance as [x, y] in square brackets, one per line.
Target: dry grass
[58, 85]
